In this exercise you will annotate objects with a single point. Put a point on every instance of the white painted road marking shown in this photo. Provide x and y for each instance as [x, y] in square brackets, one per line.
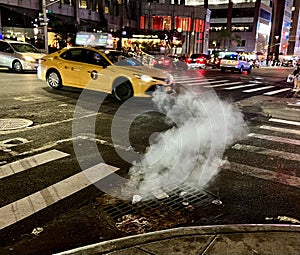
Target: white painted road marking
[241, 86]
[33, 161]
[257, 89]
[268, 152]
[223, 85]
[276, 91]
[275, 138]
[263, 174]
[289, 122]
[282, 130]
[37, 201]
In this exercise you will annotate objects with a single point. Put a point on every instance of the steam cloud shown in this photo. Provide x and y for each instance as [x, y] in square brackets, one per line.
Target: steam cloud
[192, 150]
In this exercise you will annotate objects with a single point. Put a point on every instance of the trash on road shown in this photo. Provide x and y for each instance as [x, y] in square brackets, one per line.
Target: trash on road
[131, 224]
[37, 231]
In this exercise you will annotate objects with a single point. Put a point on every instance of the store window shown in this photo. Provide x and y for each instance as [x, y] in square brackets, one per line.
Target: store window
[182, 24]
[161, 22]
[198, 25]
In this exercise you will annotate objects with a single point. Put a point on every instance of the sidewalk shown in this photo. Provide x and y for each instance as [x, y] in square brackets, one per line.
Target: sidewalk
[208, 240]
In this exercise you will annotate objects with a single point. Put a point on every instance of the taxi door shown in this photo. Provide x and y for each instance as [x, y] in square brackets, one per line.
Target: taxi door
[93, 73]
[71, 67]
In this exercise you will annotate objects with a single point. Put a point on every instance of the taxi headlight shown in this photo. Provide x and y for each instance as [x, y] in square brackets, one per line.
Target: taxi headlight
[144, 77]
[29, 59]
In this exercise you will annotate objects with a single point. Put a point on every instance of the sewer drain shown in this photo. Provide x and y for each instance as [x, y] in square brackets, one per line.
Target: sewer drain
[14, 123]
[179, 198]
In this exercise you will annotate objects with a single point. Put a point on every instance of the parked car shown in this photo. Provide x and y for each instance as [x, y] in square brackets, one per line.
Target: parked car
[88, 67]
[19, 56]
[197, 60]
[235, 62]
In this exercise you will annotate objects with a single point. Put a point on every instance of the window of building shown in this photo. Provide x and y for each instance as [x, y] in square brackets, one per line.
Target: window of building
[217, 27]
[218, 13]
[242, 27]
[265, 15]
[183, 24]
[161, 22]
[242, 12]
[242, 43]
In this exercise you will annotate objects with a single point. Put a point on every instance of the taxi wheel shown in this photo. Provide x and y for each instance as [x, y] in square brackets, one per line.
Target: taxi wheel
[54, 80]
[17, 66]
[123, 91]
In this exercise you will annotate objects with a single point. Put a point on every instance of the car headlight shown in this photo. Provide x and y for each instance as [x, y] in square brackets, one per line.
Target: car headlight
[29, 59]
[144, 77]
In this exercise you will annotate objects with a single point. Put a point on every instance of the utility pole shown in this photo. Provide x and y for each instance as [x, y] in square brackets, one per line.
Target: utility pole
[44, 8]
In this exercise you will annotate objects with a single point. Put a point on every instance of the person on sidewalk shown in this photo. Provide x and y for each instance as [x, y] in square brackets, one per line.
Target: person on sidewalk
[296, 74]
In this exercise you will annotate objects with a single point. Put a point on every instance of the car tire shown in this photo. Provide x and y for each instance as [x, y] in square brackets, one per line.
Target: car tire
[17, 66]
[123, 91]
[54, 80]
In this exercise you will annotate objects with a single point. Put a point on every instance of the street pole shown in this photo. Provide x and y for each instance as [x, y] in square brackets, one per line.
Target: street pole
[44, 7]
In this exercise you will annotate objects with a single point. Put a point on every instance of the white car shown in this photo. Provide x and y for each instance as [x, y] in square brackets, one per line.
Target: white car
[19, 56]
[235, 62]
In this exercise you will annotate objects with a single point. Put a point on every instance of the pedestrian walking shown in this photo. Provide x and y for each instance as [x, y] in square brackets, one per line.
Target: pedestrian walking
[296, 74]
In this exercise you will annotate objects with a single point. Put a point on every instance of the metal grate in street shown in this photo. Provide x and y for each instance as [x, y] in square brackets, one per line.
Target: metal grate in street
[14, 123]
[179, 198]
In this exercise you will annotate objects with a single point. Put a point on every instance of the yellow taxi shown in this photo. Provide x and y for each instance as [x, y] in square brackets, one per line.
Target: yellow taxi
[89, 67]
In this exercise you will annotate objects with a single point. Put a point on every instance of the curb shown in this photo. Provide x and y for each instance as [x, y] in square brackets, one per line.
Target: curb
[206, 237]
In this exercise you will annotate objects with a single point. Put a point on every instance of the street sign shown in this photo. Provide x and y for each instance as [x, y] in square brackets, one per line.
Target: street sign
[49, 11]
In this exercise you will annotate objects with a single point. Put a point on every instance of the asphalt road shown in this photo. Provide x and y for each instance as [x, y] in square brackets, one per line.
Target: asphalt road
[244, 168]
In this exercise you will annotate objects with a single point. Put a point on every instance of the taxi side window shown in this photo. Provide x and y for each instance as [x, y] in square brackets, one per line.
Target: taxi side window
[94, 58]
[73, 55]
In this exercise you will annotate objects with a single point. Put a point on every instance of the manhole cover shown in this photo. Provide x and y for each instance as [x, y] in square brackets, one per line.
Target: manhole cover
[14, 123]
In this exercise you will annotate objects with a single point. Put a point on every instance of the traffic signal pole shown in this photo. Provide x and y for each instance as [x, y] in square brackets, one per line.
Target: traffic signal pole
[44, 8]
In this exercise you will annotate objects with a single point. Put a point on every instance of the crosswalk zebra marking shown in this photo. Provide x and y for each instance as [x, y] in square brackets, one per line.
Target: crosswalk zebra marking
[289, 122]
[262, 174]
[275, 138]
[279, 129]
[241, 86]
[27, 206]
[257, 89]
[276, 91]
[267, 152]
[201, 82]
[223, 84]
[30, 162]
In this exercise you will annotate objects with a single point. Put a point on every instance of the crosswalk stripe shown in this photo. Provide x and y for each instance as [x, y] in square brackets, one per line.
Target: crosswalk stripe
[289, 122]
[33, 161]
[263, 174]
[275, 138]
[201, 81]
[241, 86]
[182, 78]
[268, 152]
[279, 129]
[223, 84]
[35, 202]
[257, 89]
[276, 91]
[294, 104]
